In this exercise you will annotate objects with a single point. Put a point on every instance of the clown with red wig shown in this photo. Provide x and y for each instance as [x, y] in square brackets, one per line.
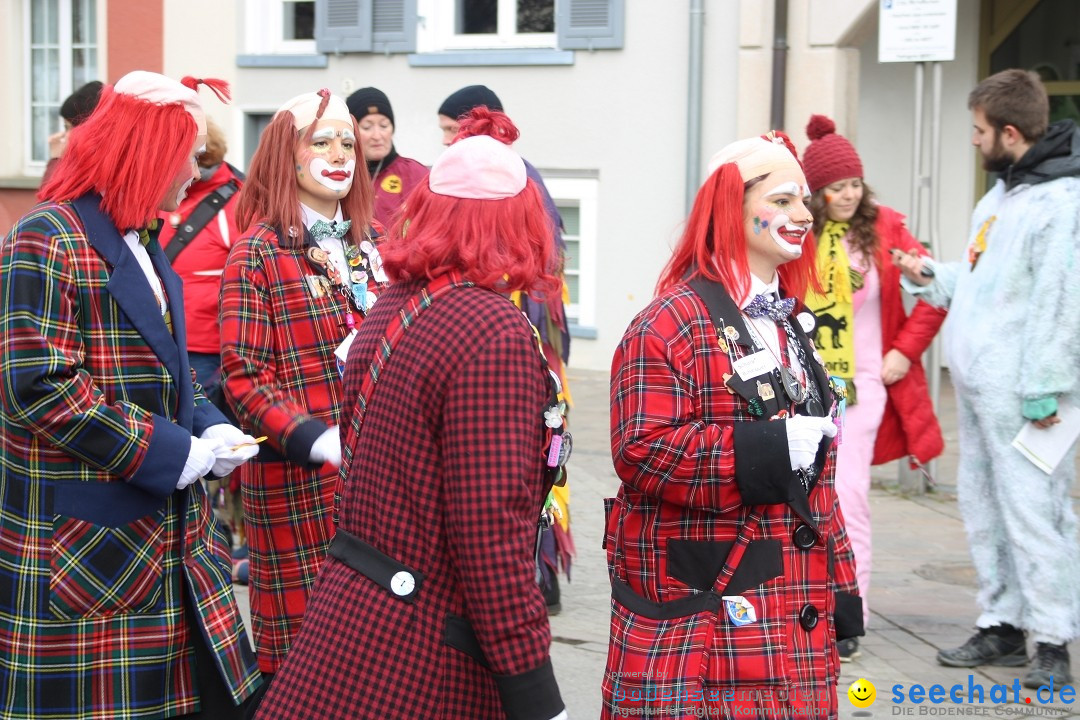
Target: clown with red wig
[297, 283]
[118, 600]
[427, 606]
[732, 576]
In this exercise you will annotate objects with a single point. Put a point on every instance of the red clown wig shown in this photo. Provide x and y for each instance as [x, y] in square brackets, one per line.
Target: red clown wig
[129, 151]
[270, 192]
[481, 120]
[503, 244]
[713, 244]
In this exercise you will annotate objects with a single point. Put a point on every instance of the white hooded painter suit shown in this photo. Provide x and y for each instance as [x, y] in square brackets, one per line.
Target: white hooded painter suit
[1012, 341]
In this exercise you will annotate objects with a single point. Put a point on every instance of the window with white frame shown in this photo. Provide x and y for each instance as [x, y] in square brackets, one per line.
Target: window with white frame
[576, 200]
[434, 26]
[280, 27]
[485, 24]
[63, 57]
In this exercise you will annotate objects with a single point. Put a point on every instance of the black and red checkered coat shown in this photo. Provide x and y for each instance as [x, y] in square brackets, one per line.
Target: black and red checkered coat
[710, 509]
[446, 478]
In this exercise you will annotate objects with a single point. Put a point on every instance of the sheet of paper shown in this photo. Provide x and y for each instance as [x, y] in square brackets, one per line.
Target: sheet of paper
[1046, 448]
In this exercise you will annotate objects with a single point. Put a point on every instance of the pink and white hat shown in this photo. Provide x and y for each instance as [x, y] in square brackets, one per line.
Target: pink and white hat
[305, 107]
[160, 90]
[478, 168]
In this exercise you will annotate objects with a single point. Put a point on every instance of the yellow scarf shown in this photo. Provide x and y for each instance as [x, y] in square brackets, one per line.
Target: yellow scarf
[834, 335]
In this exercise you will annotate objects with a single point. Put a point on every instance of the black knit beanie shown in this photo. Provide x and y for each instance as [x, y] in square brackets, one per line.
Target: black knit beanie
[81, 103]
[369, 101]
[465, 99]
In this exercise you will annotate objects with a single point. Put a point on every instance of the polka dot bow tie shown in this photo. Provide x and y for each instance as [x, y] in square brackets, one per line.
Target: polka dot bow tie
[768, 306]
[321, 229]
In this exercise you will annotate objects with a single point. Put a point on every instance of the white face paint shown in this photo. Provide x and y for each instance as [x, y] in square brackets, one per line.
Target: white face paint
[776, 221]
[189, 173]
[182, 192]
[338, 179]
[788, 236]
[325, 165]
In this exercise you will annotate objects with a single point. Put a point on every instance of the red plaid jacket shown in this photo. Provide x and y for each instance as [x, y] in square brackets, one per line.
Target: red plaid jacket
[710, 510]
[446, 479]
[281, 379]
[99, 553]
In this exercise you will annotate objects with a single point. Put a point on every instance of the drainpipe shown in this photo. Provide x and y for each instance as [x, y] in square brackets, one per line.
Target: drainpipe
[779, 64]
[693, 102]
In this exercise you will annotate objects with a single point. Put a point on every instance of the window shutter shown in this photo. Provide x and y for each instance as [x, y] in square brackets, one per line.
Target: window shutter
[590, 24]
[394, 26]
[343, 26]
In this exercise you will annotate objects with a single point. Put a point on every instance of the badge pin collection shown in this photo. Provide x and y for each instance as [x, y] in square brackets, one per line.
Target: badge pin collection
[562, 442]
[796, 392]
[361, 260]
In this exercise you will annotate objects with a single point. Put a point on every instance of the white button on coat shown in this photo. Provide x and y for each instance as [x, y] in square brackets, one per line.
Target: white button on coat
[403, 583]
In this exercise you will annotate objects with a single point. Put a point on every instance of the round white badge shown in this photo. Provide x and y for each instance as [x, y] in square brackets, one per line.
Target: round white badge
[806, 320]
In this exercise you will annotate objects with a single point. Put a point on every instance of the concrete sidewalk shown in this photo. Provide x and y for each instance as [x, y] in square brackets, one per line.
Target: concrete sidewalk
[922, 595]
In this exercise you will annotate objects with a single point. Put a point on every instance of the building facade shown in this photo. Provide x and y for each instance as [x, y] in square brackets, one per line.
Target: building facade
[601, 90]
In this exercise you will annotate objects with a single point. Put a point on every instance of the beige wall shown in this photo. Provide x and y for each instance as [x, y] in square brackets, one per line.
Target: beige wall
[833, 69]
[12, 90]
[885, 131]
[200, 40]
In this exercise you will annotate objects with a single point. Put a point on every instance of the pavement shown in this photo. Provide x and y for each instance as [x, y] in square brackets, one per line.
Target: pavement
[922, 594]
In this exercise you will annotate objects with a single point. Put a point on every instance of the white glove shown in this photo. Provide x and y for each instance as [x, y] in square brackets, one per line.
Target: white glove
[228, 458]
[327, 448]
[199, 461]
[804, 434]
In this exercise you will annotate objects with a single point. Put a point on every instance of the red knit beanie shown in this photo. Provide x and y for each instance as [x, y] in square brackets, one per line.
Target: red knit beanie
[829, 157]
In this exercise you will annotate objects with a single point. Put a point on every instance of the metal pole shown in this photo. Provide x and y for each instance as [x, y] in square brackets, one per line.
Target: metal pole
[693, 102]
[912, 482]
[914, 216]
[779, 64]
[933, 353]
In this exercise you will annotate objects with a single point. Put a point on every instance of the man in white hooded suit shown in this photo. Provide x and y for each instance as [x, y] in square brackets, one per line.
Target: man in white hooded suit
[1012, 340]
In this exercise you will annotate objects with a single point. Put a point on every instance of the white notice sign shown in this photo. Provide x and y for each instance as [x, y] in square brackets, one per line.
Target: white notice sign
[916, 30]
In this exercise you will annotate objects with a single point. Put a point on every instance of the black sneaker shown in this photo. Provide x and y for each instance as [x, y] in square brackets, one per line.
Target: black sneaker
[1050, 667]
[999, 645]
[848, 649]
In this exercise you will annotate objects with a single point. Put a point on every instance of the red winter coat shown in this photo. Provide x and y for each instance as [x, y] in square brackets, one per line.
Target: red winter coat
[393, 184]
[709, 508]
[909, 426]
[202, 262]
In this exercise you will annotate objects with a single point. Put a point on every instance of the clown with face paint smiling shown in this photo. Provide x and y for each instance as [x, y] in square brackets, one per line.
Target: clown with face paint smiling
[298, 282]
[722, 433]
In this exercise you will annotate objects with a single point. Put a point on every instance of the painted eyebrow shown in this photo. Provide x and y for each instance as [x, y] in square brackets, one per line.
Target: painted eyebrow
[347, 134]
[788, 188]
[324, 134]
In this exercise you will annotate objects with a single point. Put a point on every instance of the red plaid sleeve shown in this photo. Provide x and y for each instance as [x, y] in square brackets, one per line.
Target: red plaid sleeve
[48, 388]
[660, 444]
[249, 350]
[843, 570]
